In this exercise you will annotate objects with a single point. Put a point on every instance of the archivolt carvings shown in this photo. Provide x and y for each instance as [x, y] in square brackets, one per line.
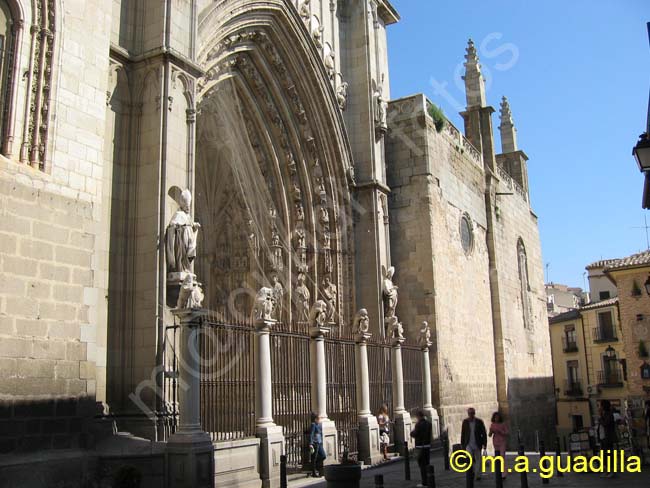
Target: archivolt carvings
[305, 251]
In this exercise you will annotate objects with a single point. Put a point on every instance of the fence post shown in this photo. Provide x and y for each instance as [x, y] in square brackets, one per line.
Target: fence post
[542, 453]
[558, 456]
[469, 478]
[283, 471]
[445, 449]
[368, 426]
[497, 472]
[402, 419]
[407, 462]
[379, 481]
[524, 475]
[424, 341]
[189, 448]
[431, 476]
[271, 436]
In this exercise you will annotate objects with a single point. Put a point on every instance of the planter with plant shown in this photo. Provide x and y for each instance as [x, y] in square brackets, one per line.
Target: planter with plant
[347, 474]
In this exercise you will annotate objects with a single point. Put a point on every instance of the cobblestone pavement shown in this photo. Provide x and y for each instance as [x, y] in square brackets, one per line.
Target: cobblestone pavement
[394, 477]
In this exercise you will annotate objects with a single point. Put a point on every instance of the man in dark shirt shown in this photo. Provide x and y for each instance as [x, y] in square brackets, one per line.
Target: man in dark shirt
[473, 438]
[422, 435]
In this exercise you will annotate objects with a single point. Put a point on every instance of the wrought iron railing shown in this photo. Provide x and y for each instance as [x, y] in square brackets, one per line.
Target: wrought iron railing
[573, 388]
[569, 345]
[604, 334]
[610, 378]
[342, 393]
[412, 370]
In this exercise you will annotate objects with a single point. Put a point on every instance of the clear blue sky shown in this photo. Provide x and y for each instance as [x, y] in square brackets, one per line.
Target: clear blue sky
[577, 74]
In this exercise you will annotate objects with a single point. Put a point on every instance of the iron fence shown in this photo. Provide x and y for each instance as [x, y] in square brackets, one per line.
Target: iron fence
[227, 381]
[380, 376]
[342, 394]
[412, 371]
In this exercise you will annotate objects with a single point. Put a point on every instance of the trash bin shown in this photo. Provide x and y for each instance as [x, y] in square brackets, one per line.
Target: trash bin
[343, 475]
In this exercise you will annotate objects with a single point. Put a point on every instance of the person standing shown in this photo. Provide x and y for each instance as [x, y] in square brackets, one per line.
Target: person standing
[384, 420]
[473, 439]
[499, 434]
[316, 446]
[606, 431]
[422, 435]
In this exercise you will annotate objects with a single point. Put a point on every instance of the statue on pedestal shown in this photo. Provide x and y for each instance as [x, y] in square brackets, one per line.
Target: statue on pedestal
[329, 294]
[389, 292]
[190, 295]
[318, 315]
[278, 294]
[395, 328]
[381, 107]
[264, 305]
[361, 323]
[180, 237]
[424, 339]
[303, 296]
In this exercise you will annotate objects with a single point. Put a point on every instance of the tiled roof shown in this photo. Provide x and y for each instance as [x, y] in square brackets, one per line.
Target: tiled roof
[574, 314]
[640, 259]
[602, 303]
[603, 263]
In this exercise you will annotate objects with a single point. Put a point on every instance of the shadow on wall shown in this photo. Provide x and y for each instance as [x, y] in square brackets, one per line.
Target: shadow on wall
[532, 412]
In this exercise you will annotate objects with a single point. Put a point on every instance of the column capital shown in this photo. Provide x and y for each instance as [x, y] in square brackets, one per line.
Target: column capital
[264, 325]
[190, 317]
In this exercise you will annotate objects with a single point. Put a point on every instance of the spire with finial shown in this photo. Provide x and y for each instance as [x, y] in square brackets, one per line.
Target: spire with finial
[474, 83]
[507, 128]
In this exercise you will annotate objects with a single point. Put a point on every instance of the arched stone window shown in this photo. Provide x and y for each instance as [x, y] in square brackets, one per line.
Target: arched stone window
[11, 25]
[524, 284]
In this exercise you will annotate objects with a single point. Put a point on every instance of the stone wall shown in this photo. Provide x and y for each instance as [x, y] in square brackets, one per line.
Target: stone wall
[526, 387]
[435, 180]
[52, 307]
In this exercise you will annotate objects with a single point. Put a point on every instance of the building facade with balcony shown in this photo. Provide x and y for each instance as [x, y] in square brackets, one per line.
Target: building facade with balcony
[589, 363]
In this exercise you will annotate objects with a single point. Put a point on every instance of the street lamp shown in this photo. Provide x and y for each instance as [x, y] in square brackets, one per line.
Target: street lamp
[610, 353]
[641, 153]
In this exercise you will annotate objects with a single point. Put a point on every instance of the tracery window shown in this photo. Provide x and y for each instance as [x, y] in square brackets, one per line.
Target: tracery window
[7, 43]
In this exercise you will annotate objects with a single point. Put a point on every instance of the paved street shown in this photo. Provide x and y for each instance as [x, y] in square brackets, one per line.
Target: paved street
[394, 477]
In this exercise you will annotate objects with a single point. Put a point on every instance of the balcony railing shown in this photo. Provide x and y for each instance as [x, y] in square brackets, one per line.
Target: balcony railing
[604, 334]
[573, 388]
[569, 345]
[610, 379]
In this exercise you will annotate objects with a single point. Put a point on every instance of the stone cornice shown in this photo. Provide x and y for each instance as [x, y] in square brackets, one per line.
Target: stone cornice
[158, 54]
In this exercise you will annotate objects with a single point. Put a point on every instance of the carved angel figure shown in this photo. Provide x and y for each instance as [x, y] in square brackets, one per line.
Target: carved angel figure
[180, 238]
[190, 295]
[318, 314]
[424, 339]
[303, 296]
[389, 291]
[264, 304]
[361, 322]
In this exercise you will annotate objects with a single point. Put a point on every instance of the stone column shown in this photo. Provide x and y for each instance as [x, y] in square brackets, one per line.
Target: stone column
[318, 376]
[189, 452]
[402, 418]
[369, 446]
[271, 437]
[425, 343]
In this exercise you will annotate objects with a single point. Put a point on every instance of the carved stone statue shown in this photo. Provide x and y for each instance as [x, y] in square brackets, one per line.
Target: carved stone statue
[190, 295]
[277, 259]
[303, 297]
[342, 95]
[395, 328]
[180, 238]
[278, 294]
[318, 314]
[329, 294]
[264, 304]
[381, 107]
[361, 323]
[304, 10]
[424, 338]
[389, 291]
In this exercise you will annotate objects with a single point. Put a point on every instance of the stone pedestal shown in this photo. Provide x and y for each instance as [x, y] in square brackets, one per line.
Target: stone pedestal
[189, 455]
[369, 446]
[430, 412]
[270, 435]
[402, 419]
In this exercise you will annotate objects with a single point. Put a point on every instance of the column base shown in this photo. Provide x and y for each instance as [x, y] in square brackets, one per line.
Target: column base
[271, 448]
[432, 415]
[330, 442]
[403, 427]
[189, 460]
[369, 444]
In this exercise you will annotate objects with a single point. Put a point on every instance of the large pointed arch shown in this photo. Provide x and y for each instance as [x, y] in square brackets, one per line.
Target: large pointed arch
[266, 79]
